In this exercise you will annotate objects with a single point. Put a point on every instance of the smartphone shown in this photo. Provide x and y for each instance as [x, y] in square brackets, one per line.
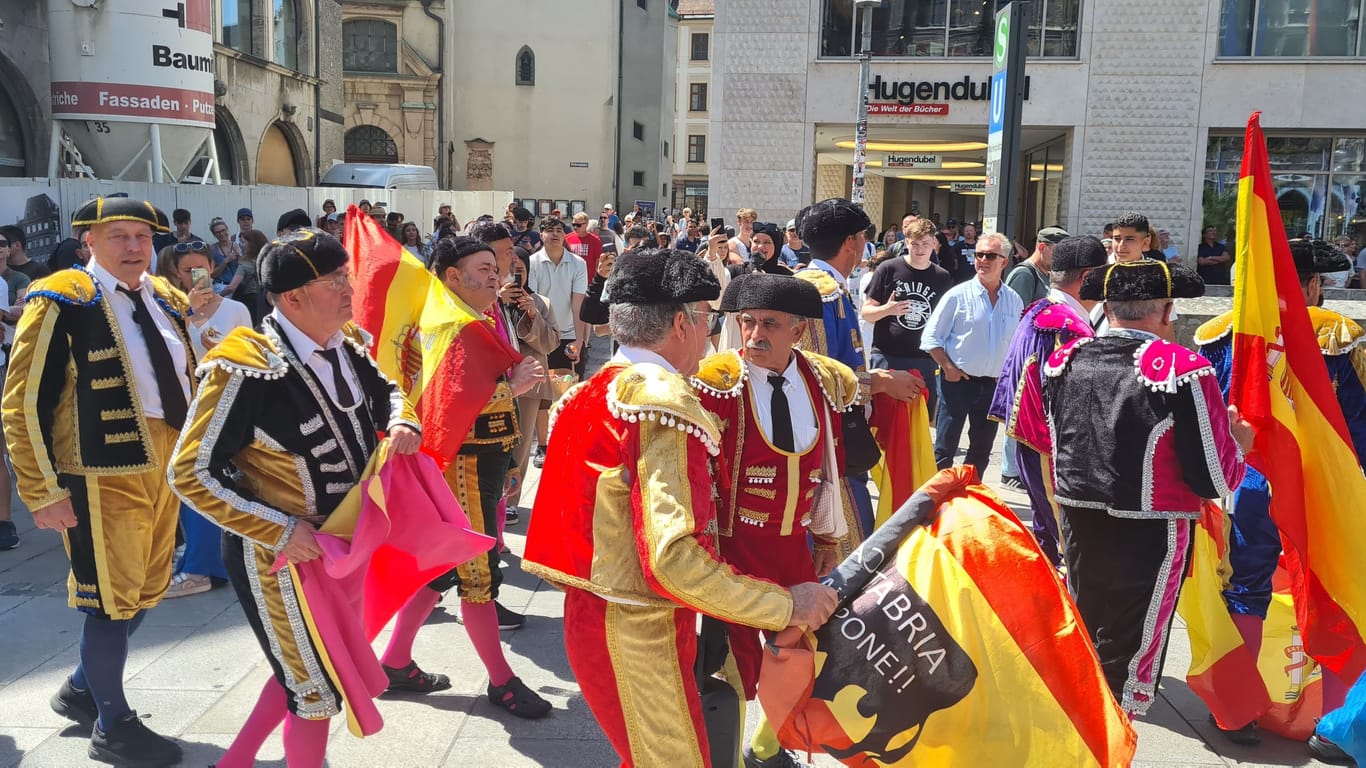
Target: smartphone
[199, 277]
[517, 279]
[717, 224]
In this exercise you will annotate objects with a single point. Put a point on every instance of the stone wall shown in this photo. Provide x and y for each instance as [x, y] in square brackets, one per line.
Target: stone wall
[24, 76]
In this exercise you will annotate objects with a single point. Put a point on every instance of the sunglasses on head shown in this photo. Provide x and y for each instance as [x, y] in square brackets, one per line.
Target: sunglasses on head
[190, 247]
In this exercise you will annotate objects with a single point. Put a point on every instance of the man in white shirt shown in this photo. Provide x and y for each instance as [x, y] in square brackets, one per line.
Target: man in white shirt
[968, 336]
[561, 277]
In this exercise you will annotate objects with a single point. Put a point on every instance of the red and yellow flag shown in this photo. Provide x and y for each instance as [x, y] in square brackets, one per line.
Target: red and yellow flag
[1281, 385]
[955, 644]
[902, 431]
[1280, 688]
[446, 356]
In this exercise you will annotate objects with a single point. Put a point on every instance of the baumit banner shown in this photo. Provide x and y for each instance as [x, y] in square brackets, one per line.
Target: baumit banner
[147, 61]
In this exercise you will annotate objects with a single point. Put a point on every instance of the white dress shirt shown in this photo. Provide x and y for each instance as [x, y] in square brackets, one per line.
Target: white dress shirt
[144, 375]
[311, 354]
[800, 404]
[1063, 297]
[972, 331]
[559, 283]
[633, 355]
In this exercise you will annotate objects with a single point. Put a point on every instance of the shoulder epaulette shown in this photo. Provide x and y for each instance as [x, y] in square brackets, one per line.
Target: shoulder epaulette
[1214, 329]
[1163, 366]
[648, 392]
[722, 374]
[245, 351]
[1057, 362]
[359, 338]
[1061, 318]
[1337, 333]
[169, 297]
[838, 383]
[69, 286]
[827, 285]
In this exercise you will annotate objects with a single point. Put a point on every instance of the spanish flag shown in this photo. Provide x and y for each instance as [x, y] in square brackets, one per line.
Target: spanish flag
[955, 644]
[902, 431]
[1281, 385]
[447, 357]
[1280, 688]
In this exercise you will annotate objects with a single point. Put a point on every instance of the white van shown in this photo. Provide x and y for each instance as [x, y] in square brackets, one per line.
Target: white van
[380, 175]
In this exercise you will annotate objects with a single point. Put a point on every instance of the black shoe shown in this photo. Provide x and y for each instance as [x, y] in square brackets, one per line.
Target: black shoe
[783, 759]
[1246, 736]
[538, 460]
[512, 517]
[518, 699]
[1012, 482]
[9, 535]
[1328, 752]
[74, 704]
[131, 743]
[509, 619]
[411, 679]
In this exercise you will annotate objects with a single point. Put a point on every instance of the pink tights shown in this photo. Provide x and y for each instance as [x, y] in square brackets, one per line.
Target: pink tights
[481, 622]
[305, 740]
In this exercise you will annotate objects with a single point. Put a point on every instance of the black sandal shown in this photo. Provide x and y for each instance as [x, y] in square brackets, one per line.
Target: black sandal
[411, 679]
[519, 700]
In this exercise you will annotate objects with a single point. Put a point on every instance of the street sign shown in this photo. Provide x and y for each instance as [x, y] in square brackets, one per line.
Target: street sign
[968, 186]
[1003, 121]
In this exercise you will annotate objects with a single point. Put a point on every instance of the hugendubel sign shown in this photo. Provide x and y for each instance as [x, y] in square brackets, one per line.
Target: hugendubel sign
[925, 97]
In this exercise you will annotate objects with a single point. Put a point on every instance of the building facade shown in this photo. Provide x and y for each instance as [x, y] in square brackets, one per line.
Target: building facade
[1129, 107]
[277, 85]
[569, 105]
[692, 103]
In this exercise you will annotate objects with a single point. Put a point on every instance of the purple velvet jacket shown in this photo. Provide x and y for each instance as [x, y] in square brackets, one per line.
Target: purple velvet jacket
[1139, 427]
[1018, 402]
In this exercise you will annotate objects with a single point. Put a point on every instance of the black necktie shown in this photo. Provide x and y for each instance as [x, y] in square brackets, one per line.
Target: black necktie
[344, 397]
[172, 394]
[782, 415]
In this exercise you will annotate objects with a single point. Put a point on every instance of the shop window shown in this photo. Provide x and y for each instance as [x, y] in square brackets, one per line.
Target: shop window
[284, 31]
[237, 24]
[701, 46]
[1297, 28]
[526, 67]
[697, 97]
[946, 28]
[369, 45]
[1320, 183]
[638, 178]
[697, 148]
[368, 144]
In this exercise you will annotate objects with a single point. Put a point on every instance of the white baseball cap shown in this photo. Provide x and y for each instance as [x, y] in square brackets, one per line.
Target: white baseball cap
[607, 207]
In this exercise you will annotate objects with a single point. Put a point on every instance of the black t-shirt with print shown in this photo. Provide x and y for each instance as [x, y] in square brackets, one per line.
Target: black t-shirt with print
[895, 280]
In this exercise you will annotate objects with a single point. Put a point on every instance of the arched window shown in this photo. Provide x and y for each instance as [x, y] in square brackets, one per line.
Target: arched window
[368, 144]
[237, 24]
[526, 67]
[284, 31]
[369, 45]
[11, 138]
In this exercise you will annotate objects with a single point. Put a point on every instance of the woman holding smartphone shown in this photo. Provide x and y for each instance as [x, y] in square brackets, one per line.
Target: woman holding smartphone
[211, 318]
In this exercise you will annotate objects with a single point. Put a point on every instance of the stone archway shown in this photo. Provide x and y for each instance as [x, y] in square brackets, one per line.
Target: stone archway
[33, 127]
[281, 156]
[237, 164]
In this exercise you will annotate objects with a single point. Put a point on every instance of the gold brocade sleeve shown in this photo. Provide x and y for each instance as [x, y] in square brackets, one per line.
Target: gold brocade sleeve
[33, 388]
[671, 477]
[220, 425]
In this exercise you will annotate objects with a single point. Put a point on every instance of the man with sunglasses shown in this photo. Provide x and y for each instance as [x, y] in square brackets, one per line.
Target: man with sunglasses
[968, 335]
[282, 428]
[584, 243]
[625, 522]
[558, 274]
[102, 370]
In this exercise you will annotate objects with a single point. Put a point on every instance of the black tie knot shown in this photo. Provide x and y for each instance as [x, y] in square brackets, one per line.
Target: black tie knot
[777, 380]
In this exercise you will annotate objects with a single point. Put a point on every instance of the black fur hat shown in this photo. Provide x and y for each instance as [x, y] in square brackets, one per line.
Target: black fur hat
[1141, 280]
[780, 293]
[649, 276]
[299, 257]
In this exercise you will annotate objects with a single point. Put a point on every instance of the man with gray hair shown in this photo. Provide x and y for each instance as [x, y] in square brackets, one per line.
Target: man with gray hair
[627, 525]
[968, 335]
[1141, 438]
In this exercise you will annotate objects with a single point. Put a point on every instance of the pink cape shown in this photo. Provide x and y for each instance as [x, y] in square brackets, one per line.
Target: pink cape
[398, 530]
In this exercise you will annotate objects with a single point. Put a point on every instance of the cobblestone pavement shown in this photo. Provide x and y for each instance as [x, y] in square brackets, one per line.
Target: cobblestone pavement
[195, 671]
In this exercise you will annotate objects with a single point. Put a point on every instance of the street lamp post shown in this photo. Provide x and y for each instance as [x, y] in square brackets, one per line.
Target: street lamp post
[861, 125]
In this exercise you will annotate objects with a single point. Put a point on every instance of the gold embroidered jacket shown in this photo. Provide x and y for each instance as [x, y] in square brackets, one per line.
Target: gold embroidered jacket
[70, 403]
[262, 411]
